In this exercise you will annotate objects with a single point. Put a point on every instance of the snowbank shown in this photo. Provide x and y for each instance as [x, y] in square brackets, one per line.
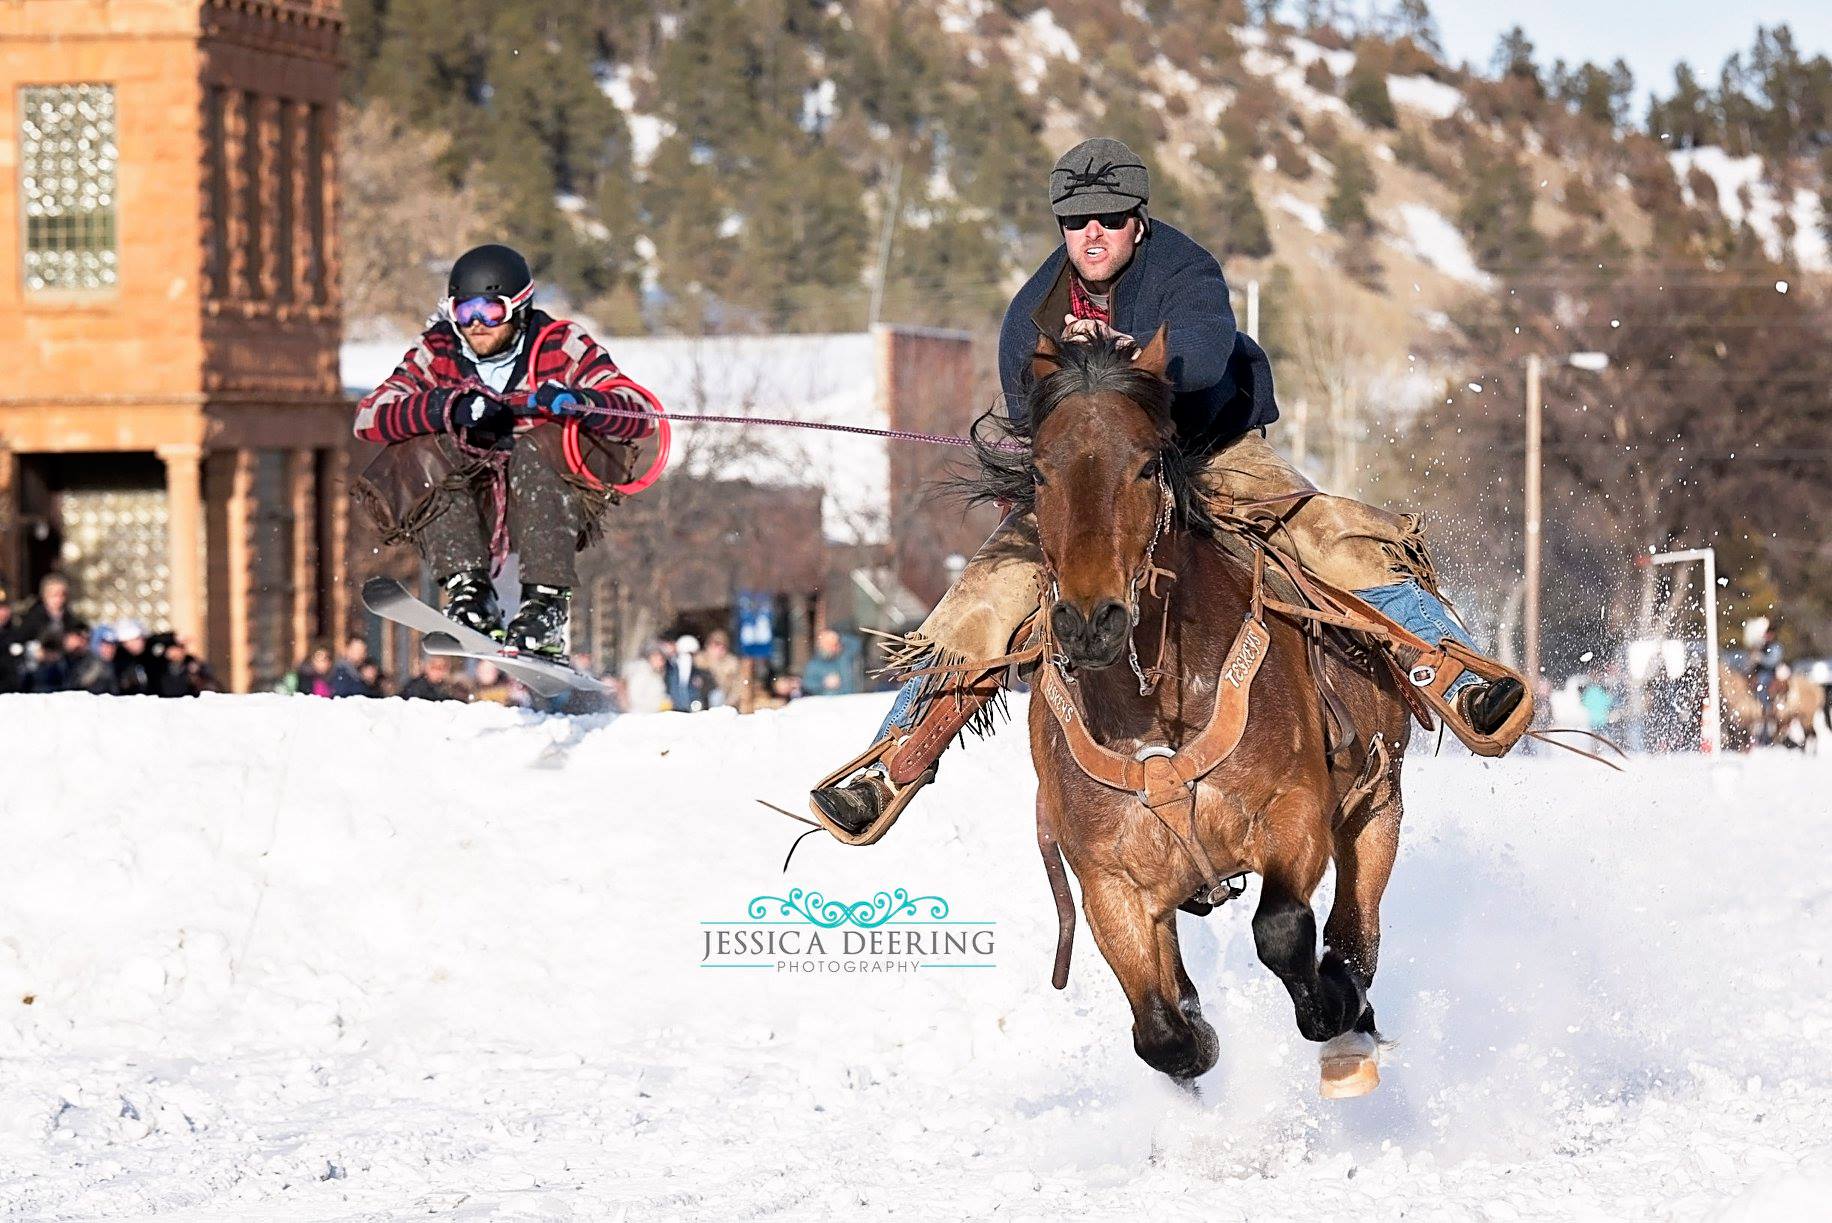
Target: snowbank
[298, 959]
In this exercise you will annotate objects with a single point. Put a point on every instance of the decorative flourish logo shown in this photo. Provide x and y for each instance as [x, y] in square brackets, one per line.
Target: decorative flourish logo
[865, 914]
[808, 932]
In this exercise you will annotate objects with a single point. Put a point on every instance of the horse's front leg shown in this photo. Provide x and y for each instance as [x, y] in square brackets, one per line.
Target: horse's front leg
[1296, 848]
[1168, 1030]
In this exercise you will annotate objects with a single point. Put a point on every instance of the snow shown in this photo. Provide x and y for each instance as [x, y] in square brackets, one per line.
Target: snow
[1731, 175]
[1289, 78]
[301, 959]
[1305, 53]
[646, 131]
[1051, 38]
[1426, 234]
[1421, 93]
[1308, 214]
[826, 378]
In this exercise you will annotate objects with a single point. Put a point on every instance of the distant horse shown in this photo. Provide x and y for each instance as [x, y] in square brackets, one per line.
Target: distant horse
[1120, 506]
[1791, 718]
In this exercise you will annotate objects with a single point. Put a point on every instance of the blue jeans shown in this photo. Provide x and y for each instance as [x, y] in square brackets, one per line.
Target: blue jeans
[902, 708]
[1418, 610]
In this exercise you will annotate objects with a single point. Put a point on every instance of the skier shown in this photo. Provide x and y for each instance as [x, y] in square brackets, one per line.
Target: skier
[475, 464]
[1120, 273]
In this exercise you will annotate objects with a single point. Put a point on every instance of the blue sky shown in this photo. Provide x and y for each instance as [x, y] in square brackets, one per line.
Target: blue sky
[1652, 35]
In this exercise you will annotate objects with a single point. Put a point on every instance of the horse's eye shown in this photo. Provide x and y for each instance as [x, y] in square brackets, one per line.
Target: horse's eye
[1036, 476]
[1151, 469]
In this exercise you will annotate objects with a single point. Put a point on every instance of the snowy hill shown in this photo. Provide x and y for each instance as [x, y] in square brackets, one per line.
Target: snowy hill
[286, 958]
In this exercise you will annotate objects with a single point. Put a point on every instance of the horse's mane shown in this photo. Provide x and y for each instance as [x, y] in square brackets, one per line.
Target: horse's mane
[1002, 471]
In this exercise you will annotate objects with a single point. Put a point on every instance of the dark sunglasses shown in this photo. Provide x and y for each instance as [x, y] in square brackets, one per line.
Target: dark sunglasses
[1108, 220]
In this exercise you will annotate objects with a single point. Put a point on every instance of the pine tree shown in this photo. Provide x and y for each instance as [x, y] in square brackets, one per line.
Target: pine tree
[1366, 88]
[1230, 218]
[1513, 59]
[1347, 209]
[1413, 20]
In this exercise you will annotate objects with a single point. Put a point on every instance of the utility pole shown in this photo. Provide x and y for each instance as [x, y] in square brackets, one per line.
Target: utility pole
[1253, 309]
[1531, 633]
[884, 247]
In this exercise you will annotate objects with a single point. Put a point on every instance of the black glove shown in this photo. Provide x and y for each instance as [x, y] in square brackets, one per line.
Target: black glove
[484, 421]
[558, 399]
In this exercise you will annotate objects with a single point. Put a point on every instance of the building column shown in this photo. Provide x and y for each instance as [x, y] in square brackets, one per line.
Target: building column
[302, 507]
[239, 564]
[10, 558]
[334, 530]
[184, 539]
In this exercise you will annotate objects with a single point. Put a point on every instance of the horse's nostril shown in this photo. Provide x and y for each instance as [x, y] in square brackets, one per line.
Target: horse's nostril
[1110, 620]
[1066, 621]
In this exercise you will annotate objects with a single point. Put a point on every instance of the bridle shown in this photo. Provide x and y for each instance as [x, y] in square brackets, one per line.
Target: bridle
[1146, 578]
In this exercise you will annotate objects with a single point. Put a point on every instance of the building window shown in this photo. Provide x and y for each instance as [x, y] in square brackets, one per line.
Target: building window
[67, 186]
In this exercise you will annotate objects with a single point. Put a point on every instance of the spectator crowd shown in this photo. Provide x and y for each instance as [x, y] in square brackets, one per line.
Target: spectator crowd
[47, 646]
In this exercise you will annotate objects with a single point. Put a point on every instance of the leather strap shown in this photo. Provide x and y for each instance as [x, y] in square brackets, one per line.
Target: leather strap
[948, 712]
[1160, 779]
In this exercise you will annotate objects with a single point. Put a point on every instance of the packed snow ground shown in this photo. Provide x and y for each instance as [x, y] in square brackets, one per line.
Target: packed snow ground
[281, 958]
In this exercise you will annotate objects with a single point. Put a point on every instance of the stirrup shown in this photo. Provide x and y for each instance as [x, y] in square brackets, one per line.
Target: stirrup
[1431, 674]
[900, 795]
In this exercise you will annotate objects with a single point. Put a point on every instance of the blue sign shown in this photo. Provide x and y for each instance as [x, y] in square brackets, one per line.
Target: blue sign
[756, 624]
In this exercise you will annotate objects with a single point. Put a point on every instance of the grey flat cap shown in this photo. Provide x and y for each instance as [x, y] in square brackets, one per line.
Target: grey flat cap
[1098, 175]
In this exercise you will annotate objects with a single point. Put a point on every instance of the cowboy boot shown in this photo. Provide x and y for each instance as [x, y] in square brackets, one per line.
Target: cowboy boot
[860, 800]
[1486, 706]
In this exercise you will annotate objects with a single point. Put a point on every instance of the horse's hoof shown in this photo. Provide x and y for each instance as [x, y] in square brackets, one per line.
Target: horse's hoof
[1350, 1065]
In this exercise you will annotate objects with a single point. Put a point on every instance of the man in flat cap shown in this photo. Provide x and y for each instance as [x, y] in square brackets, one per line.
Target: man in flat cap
[1120, 274]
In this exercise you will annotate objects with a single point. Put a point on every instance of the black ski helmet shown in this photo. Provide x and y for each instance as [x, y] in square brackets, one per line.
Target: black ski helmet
[491, 269]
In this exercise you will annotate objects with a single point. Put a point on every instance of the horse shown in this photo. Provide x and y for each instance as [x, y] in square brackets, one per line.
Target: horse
[1790, 720]
[1119, 504]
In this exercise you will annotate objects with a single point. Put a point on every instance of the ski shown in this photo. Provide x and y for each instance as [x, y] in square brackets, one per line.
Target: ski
[389, 599]
[545, 676]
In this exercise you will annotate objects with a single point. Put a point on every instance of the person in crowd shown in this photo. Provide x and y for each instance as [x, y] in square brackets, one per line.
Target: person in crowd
[312, 677]
[51, 673]
[375, 683]
[1598, 705]
[689, 685]
[52, 612]
[725, 667]
[347, 675]
[644, 683]
[184, 674]
[96, 671]
[491, 686]
[136, 673]
[828, 673]
[435, 682]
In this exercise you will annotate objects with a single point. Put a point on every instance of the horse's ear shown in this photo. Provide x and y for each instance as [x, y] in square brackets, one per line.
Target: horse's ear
[1155, 355]
[1047, 358]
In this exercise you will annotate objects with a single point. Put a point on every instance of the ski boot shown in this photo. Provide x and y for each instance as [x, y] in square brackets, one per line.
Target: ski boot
[470, 600]
[540, 627]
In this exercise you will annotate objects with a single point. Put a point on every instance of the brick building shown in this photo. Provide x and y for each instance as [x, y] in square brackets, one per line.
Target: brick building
[176, 437]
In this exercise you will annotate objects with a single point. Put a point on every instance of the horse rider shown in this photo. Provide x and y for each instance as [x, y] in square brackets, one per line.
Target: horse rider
[1120, 272]
[467, 471]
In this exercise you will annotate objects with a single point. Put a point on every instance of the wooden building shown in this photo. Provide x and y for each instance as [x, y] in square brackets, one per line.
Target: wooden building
[175, 438]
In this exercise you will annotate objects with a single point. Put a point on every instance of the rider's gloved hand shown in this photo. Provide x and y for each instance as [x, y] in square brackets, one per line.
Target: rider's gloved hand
[482, 420]
[558, 399]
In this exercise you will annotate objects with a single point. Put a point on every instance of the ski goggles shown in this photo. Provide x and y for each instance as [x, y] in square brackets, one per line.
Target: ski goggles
[1111, 221]
[490, 309]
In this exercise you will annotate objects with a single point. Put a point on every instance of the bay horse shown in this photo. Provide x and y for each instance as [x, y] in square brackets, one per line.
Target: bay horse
[1115, 497]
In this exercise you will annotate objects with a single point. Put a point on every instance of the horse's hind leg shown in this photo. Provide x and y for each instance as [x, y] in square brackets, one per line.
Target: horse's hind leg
[1327, 998]
[1168, 1030]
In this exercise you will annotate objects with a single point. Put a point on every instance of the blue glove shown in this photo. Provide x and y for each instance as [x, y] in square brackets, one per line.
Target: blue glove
[558, 399]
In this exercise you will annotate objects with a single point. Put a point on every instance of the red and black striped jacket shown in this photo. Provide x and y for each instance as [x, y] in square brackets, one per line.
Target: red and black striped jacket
[412, 400]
